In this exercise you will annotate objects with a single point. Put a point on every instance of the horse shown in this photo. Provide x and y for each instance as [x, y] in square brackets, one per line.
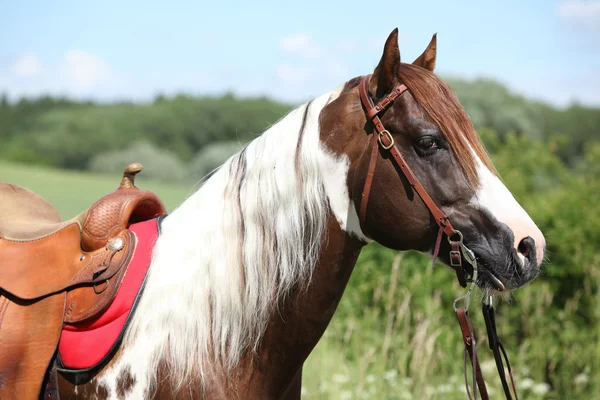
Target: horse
[248, 271]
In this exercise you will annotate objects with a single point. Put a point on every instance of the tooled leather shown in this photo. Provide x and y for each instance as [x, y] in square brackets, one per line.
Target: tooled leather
[101, 217]
[30, 270]
[83, 302]
[113, 212]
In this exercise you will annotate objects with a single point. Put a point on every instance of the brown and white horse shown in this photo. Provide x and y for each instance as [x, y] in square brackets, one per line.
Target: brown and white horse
[249, 270]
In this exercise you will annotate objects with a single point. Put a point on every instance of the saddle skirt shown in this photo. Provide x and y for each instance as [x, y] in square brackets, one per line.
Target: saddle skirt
[85, 348]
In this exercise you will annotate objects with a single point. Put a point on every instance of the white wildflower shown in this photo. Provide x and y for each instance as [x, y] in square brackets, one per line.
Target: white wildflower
[526, 383]
[391, 374]
[407, 381]
[581, 379]
[444, 388]
[540, 388]
[488, 366]
[339, 378]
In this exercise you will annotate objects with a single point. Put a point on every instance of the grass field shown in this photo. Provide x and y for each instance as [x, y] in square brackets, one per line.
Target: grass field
[72, 192]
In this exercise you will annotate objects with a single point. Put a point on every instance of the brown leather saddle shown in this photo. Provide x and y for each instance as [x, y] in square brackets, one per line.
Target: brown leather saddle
[54, 272]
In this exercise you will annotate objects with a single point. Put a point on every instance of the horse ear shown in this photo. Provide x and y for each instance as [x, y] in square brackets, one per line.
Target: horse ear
[427, 59]
[386, 73]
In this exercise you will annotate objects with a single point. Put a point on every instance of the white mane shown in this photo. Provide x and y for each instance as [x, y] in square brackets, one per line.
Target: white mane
[232, 251]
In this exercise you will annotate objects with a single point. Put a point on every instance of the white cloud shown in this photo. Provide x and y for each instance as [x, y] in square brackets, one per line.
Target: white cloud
[26, 66]
[300, 44]
[290, 74]
[84, 70]
[580, 12]
[321, 63]
[78, 73]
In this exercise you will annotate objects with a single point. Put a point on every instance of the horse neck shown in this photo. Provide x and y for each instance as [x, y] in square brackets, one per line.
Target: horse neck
[275, 369]
[216, 284]
[305, 317]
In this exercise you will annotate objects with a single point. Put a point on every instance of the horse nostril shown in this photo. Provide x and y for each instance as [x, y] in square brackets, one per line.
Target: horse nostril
[527, 248]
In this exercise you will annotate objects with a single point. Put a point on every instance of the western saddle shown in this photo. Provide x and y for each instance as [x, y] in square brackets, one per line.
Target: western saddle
[54, 272]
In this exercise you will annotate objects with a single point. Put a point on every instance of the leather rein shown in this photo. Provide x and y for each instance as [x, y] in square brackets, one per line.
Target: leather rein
[382, 140]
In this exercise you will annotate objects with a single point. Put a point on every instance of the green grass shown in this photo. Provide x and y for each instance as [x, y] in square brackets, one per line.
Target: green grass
[72, 192]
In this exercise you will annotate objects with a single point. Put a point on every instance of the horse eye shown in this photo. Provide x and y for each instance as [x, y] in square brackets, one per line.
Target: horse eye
[427, 143]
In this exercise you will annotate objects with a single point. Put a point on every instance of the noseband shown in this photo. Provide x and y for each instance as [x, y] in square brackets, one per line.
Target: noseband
[465, 272]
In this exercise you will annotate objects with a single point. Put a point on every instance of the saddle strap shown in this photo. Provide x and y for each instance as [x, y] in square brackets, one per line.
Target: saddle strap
[498, 350]
[470, 347]
[51, 390]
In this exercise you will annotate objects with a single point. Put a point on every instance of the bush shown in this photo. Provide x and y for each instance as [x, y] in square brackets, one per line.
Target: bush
[211, 157]
[158, 164]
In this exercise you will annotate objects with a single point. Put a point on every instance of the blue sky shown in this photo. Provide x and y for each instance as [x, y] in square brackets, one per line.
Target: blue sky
[546, 49]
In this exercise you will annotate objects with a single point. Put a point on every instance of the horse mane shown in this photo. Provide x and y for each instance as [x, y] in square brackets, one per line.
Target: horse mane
[233, 251]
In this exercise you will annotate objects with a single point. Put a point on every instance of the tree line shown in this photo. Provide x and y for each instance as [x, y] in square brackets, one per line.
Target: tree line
[182, 132]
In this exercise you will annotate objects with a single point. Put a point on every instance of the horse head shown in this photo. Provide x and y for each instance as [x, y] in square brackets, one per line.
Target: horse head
[437, 140]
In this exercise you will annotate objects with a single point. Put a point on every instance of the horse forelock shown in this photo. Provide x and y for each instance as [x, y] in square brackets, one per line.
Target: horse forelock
[439, 102]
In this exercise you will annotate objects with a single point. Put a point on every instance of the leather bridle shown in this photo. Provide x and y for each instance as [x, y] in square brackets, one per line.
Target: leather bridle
[385, 141]
[382, 140]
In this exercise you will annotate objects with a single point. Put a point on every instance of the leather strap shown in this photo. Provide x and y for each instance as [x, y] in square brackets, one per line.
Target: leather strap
[386, 142]
[497, 348]
[438, 243]
[368, 182]
[470, 347]
[51, 390]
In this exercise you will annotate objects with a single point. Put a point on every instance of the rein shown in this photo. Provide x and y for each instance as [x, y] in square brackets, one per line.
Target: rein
[465, 272]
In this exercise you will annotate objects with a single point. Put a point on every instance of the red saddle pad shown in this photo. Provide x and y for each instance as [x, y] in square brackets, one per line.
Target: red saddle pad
[82, 346]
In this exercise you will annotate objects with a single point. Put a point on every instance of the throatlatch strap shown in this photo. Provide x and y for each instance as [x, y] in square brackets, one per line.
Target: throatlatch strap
[364, 201]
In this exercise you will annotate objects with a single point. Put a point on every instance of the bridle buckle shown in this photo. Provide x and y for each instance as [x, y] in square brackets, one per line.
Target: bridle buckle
[455, 259]
[390, 138]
